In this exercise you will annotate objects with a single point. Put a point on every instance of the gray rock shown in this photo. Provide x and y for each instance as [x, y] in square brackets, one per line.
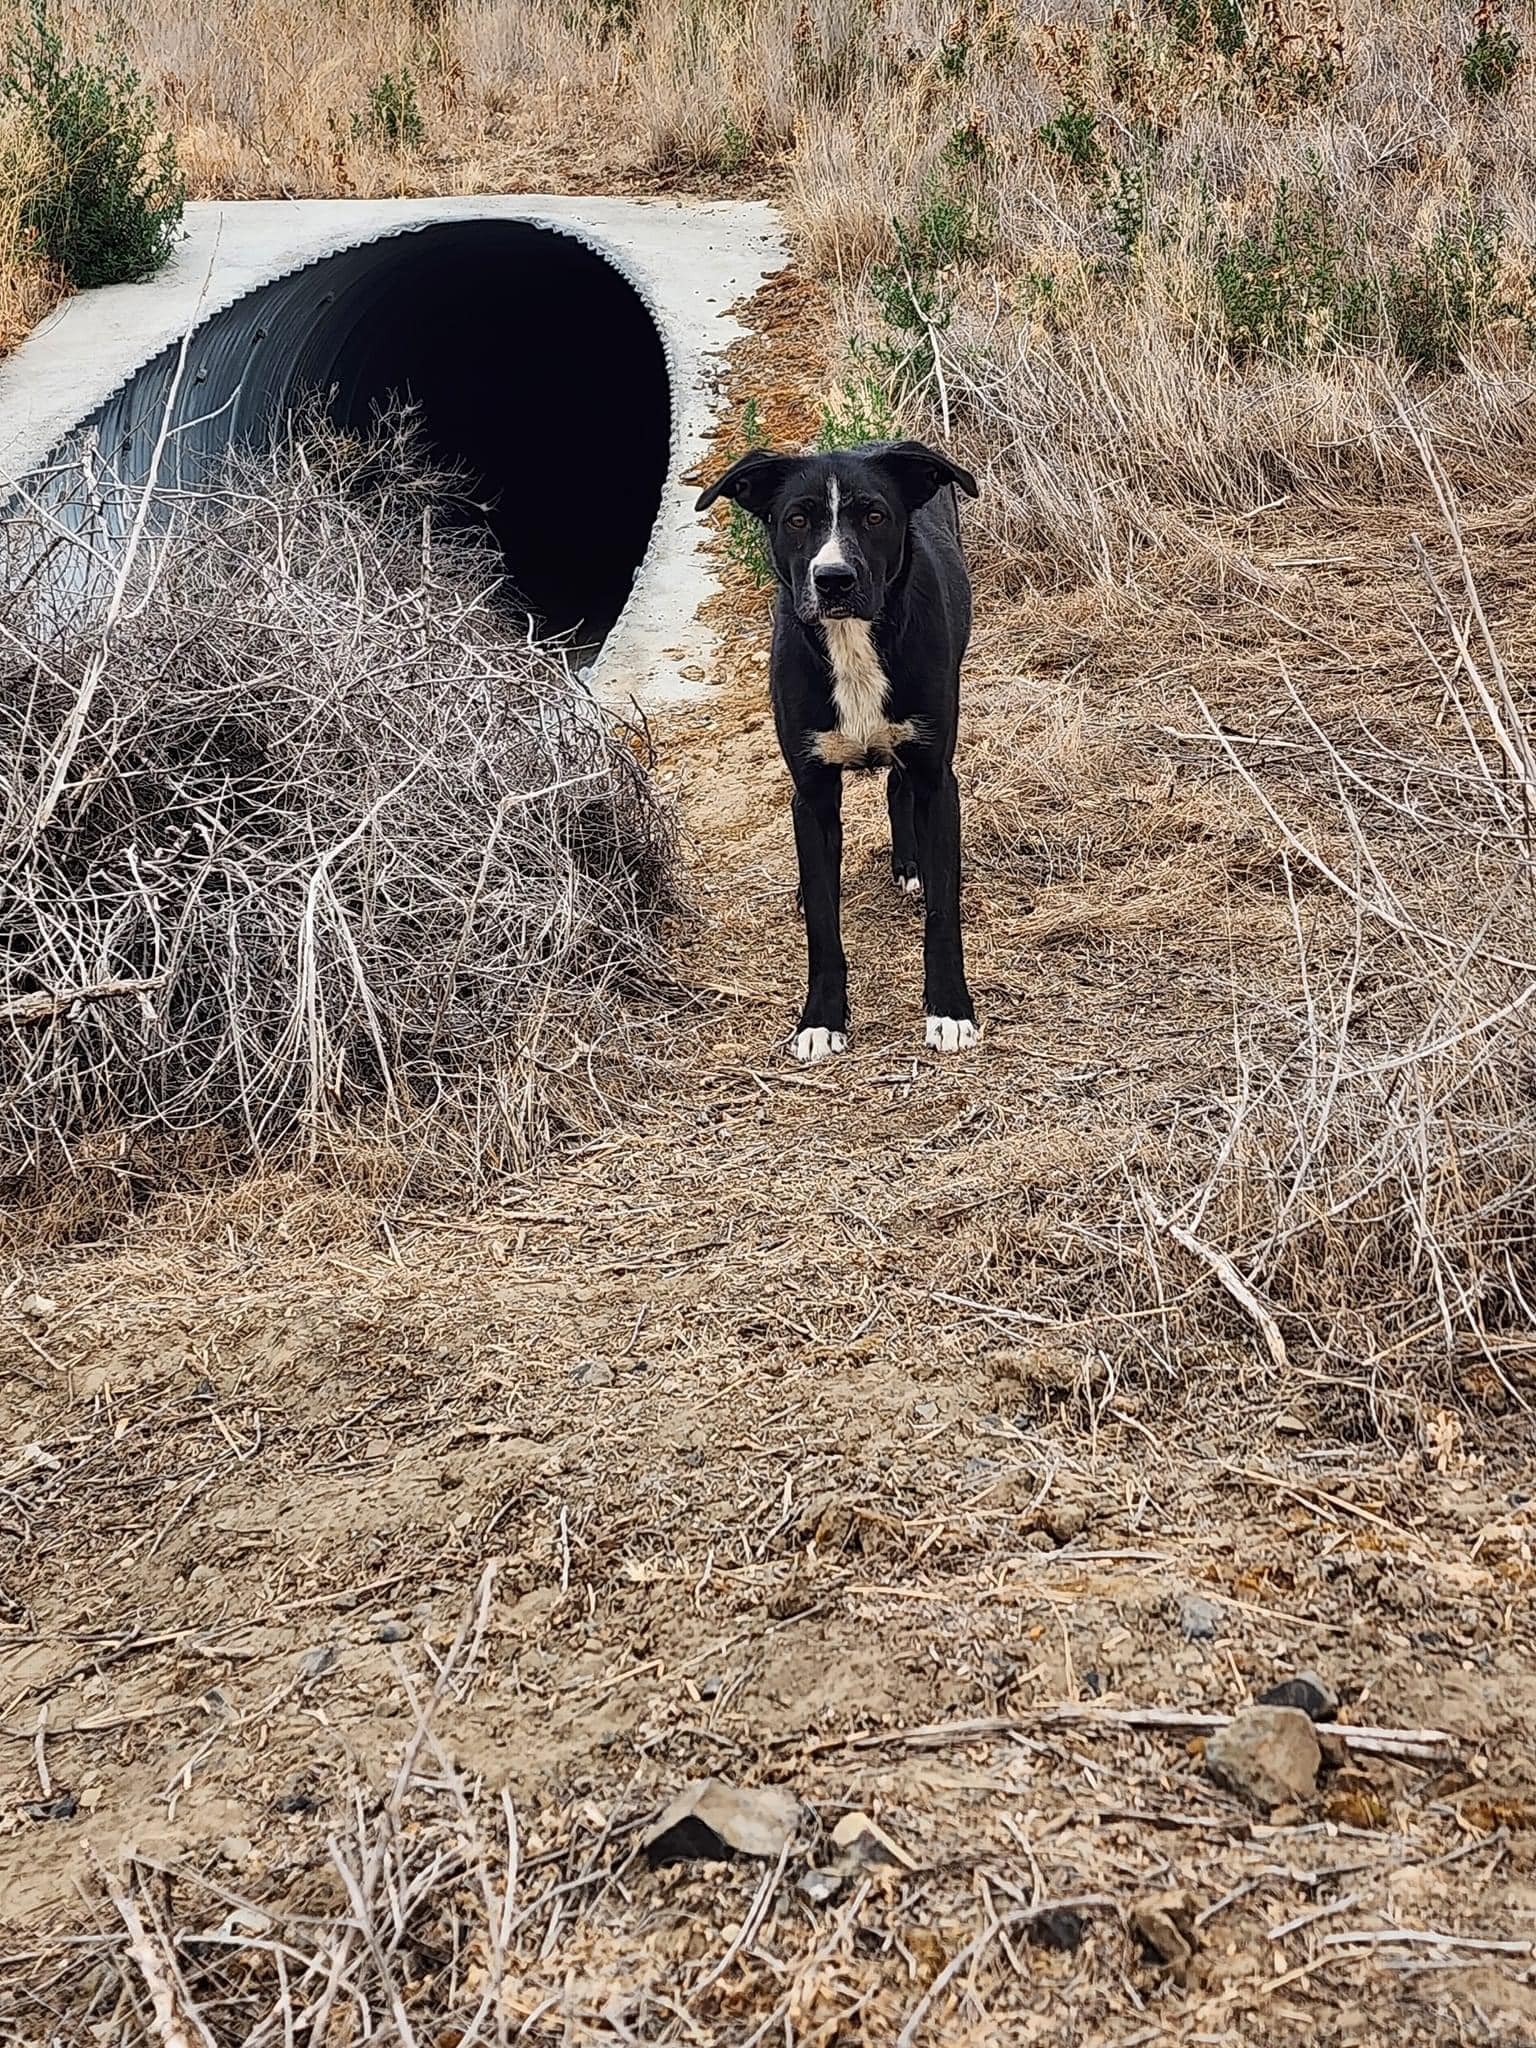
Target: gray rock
[1063, 1519]
[1199, 1619]
[1164, 1925]
[1313, 1695]
[317, 1662]
[713, 1821]
[392, 1632]
[594, 1372]
[1268, 1756]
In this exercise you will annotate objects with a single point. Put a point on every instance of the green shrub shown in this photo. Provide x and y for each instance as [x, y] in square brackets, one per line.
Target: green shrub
[967, 149]
[394, 114]
[1491, 59]
[745, 541]
[734, 149]
[107, 204]
[954, 52]
[1126, 207]
[912, 293]
[947, 227]
[1221, 23]
[1296, 285]
[1435, 303]
[1304, 284]
[860, 412]
[1073, 135]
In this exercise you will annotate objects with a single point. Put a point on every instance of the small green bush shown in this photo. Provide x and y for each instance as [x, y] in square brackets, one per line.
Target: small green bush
[1073, 135]
[1304, 284]
[967, 148]
[1126, 207]
[1221, 22]
[947, 227]
[1491, 59]
[954, 52]
[860, 412]
[1436, 302]
[108, 202]
[394, 113]
[735, 148]
[1296, 285]
[913, 293]
[745, 541]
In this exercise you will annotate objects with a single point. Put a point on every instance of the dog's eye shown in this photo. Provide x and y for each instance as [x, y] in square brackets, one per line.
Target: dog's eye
[874, 516]
[796, 520]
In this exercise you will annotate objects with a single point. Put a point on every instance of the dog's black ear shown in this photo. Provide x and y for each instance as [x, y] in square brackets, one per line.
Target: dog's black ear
[751, 482]
[918, 471]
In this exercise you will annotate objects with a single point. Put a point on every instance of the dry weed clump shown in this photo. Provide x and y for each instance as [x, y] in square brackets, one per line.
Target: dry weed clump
[1376, 1181]
[303, 836]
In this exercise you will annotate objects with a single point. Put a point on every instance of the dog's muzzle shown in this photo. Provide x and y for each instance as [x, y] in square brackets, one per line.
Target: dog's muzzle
[834, 585]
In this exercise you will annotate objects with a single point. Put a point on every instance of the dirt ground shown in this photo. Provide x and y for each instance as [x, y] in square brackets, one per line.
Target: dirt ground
[736, 1444]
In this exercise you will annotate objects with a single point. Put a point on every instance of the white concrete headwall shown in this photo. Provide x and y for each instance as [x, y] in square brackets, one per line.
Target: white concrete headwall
[690, 261]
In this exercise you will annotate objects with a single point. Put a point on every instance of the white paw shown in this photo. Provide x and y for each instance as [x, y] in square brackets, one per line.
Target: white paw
[910, 885]
[950, 1034]
[818, 1044]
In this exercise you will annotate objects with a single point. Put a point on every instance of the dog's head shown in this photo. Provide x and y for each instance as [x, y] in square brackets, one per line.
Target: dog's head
[837, 524]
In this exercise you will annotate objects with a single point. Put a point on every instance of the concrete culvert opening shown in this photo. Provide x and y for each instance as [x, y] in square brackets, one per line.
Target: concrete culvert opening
[535, 365]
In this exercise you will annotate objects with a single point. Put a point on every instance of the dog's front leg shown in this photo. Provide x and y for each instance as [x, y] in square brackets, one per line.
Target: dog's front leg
[818, 815]
[905, 866]
[951, 1015]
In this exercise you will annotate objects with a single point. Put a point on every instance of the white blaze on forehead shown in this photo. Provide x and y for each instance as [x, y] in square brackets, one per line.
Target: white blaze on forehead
[830, 554]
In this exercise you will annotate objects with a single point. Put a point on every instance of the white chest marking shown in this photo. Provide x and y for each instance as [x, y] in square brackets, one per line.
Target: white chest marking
[858, 681]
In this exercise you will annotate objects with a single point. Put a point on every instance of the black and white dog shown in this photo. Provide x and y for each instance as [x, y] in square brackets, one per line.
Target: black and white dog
[870, 624]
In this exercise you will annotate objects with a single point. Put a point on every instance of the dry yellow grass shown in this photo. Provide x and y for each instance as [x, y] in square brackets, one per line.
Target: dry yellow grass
[1254, 987]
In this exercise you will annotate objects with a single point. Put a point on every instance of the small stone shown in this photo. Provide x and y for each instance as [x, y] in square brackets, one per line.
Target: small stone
[247, 1920]
[821, 1885]
[297, 1802]
[925, 1411]
[39, 1308]
[711, 1688]
[594, 1372]
[1039, 1539]
[862, 1843]
[392, 1632]
[1317, 1700]
[1199, 1619]
[713, 1821]
[317, 1662]
[237, 1849]
[1058, 1927]
[62, 1806]
[1063, 1519]
[1266, 1755]
[1164, 1924]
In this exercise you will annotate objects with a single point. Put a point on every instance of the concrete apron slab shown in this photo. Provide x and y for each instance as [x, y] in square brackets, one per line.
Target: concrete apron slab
[690, 261]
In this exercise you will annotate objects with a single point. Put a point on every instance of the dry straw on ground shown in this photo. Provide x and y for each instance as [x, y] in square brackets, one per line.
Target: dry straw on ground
[305, 837]
[866, 1432]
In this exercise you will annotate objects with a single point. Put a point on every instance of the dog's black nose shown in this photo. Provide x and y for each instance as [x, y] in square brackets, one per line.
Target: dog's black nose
[833, 579]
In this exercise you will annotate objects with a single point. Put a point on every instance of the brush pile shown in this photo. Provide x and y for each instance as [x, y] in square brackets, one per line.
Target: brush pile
[302, 838]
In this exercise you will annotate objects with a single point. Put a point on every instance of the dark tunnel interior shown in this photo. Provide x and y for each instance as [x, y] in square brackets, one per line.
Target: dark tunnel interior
[536, 366]
[539, 371]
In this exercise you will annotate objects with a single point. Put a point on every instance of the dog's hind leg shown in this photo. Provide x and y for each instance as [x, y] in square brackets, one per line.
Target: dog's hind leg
[951, 1015]
[818, 815]
[904, 862]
